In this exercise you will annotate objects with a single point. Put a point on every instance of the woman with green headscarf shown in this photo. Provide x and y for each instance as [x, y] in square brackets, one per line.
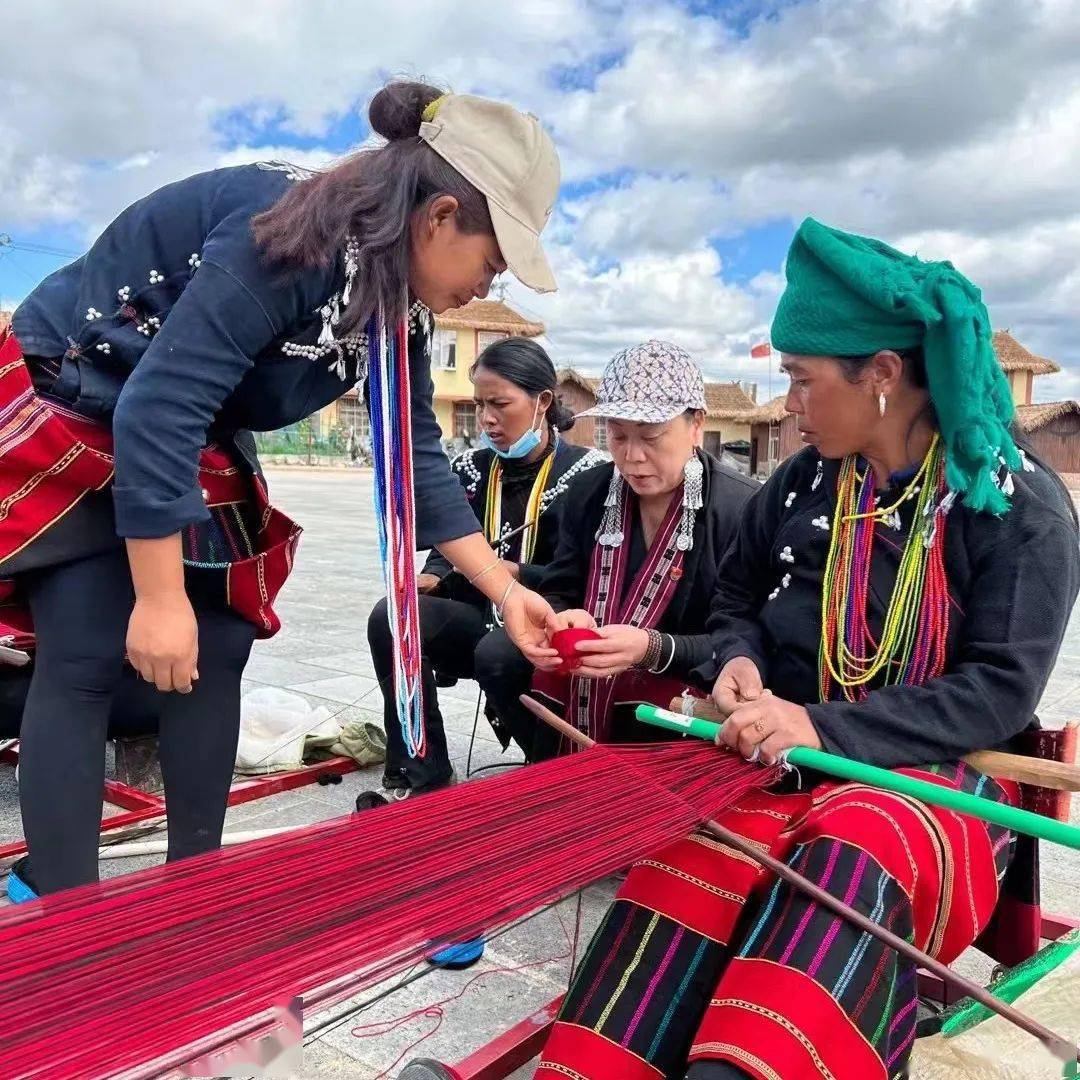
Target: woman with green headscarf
[897, 593]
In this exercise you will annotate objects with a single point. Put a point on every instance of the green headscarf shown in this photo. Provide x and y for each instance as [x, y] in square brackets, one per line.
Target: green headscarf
[851, 295]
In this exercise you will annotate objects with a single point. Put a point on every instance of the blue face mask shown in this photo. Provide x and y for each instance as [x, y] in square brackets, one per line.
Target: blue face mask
[519, 448]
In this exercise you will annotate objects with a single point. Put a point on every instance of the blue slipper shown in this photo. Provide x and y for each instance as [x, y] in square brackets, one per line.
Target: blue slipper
[19, 890]
[457, 957]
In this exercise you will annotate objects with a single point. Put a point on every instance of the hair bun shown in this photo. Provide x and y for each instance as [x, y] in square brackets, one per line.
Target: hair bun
[395, 111]
[560, 416]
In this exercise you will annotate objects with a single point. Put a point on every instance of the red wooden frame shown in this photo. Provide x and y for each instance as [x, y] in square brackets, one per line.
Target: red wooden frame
[512, 1049]
[497, 1059]
[934, 988]
[141, 806]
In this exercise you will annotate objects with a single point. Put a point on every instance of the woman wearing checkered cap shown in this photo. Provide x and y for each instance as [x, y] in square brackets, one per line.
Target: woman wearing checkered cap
[638, 563]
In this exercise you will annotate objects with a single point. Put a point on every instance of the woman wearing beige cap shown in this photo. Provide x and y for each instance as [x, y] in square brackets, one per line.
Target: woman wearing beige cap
[232, 301]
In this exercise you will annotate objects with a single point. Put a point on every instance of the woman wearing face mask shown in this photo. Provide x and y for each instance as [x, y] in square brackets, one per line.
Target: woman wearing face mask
[637, 558]
[517, 476]
[240, 299]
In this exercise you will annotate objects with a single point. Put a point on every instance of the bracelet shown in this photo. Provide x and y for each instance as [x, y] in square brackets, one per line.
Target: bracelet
[671, 656]
[652, 652]
[480, 573]
[502, 601]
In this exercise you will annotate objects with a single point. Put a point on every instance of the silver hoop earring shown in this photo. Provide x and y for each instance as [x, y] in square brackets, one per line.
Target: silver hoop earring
[881, 403]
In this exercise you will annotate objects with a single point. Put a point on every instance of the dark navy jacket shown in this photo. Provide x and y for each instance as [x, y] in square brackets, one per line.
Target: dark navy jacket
[1012, 583]
[173, 326]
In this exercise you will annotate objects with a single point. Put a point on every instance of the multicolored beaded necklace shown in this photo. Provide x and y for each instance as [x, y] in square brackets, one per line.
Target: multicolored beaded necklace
[912, 646]
[395, 512]
[493, 529]
[493, 507]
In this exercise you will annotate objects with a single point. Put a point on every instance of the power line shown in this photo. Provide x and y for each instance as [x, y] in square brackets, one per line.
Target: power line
[15, 266]
[35, 249]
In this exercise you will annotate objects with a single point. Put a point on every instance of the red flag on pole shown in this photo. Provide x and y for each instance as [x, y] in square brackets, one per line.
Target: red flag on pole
[762, 351]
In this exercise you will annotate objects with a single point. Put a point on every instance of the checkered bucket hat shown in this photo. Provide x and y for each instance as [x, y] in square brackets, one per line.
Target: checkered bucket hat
[649, 383]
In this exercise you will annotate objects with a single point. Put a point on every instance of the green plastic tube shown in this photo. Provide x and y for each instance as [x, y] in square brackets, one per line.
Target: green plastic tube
[1011, 817]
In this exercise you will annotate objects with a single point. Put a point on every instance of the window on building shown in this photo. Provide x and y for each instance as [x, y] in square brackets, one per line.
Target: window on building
[484, 338]
[465, 419]
[352, 413]
[600, 436]
[444, 349]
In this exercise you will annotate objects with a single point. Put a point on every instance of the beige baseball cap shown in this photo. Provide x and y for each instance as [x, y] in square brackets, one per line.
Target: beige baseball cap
[508, 156]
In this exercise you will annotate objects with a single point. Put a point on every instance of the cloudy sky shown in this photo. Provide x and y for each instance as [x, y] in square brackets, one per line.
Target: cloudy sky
[694, 136]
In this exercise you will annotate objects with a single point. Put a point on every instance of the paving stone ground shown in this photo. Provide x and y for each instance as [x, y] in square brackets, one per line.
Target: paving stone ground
[322, 655]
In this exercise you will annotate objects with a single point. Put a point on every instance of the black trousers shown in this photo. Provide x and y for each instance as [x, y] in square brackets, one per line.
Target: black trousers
[450, 631]
[504, 674]
[81, 611]
[135, 710]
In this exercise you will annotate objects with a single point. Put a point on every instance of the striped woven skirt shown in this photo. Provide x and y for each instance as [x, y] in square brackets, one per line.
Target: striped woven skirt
[703, 956]
[52, 464]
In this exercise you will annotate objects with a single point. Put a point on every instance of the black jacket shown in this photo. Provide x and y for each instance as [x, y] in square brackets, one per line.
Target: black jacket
[1013, 581]
[725, 493]
[473, 469]
[176, 329]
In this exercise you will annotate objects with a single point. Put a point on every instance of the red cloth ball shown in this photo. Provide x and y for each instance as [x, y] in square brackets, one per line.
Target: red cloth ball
[563, 641]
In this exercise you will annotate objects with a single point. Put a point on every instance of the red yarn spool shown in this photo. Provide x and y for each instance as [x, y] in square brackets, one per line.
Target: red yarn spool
[563, 641]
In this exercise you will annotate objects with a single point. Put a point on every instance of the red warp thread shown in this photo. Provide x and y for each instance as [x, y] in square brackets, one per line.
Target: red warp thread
[142, 973]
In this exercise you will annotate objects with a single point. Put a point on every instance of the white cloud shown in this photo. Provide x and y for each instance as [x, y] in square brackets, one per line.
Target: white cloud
[650, 215]
[902, 120]
[123, 80]
[822, 82]
[681, 298]
[944, 125]
[1030, 278]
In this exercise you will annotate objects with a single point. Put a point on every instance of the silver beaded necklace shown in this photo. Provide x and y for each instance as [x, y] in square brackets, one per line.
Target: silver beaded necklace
[350, 346]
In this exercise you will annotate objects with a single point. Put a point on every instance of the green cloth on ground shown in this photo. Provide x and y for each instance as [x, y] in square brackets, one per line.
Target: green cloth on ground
[361, 740]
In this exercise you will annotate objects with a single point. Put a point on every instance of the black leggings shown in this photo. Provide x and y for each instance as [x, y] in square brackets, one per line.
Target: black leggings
[449, 633]
[503, 674]
[81, 611]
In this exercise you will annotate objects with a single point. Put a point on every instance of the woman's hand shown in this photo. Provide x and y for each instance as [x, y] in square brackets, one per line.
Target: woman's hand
[529, 621]
[427, 583]
[762, 729]
[575, 617]
[738, 683]
[163, 641]
[618, 648]
[163, 637]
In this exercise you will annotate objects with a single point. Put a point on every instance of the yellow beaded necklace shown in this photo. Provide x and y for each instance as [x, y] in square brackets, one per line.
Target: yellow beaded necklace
[916, 620]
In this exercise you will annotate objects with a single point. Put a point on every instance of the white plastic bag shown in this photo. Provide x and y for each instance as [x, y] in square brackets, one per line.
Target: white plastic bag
[998, 1050]
[273, 726]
